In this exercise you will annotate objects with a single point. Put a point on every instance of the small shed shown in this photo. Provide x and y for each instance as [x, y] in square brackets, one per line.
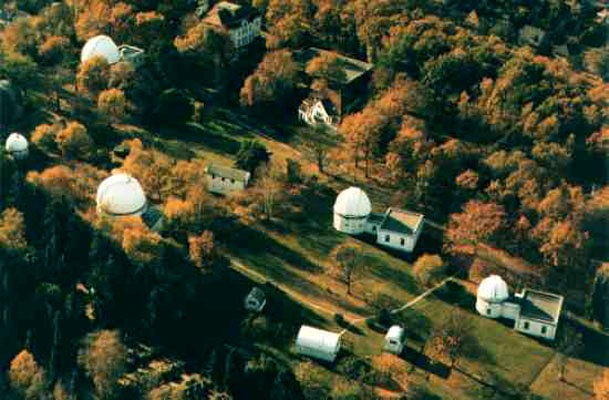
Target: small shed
[255, 300]
[394, 339]
[318, 343]
[223, 180]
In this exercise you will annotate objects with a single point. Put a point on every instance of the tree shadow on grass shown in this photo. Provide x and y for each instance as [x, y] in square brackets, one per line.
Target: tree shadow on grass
[212, 139]
[379, 268]
[421, 361]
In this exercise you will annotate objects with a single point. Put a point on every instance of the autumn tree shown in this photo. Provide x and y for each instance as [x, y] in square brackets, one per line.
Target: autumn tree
[327, 66]
[74, 141]
[362, 132]
[390, 369]
[478, 223]
[311, 379]
[452, 339]
[92, 18]
[428, 269]
[271, 188]
[600, 295]
[346, 263]
[152, 169]
[27, 377]
[54, 49]
[142, 245]
[596, 60]
[601, 386]
[93, 75]
[113, 104]
[12, 229]
[289, 21]
[104, 357]
[273, 81]
[202, 250]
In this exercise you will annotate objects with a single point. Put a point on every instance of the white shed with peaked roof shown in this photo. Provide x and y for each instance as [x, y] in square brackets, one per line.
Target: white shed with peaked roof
[318, 343]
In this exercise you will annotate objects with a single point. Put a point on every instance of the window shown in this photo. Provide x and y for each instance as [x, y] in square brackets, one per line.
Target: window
[232, 181]
[488, 311]
[544, 329]
[402, 242]
[386, 238]
[374, 228]
[525, 326]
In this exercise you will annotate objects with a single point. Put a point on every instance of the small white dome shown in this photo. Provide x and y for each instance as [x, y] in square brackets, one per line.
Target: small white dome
[121, 195]
[493, 289]
[352, 202]
[102, 46]
[16, 144]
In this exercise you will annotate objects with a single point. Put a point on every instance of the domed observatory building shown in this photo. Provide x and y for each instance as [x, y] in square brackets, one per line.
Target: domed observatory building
[534, 312]
[17, 146]
[121, 195]
[351, 210]
[492, 293]
[105, 47]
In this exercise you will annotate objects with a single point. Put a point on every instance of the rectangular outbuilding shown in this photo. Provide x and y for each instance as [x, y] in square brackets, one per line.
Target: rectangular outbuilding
[318, 343]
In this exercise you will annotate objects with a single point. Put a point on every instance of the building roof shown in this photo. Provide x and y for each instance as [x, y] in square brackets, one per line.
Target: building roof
[227, 172]
[318, 339]
[401, 221]
[493, 289]
[16, 143]
[229, 15]
[103, 46]
[540, 305]
[352, 67]
[376, 218]
[352, 202]
[120, 195]
[531, 35]
[153, 218]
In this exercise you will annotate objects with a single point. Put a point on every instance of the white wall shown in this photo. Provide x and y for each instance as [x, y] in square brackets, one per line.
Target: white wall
[352, 226]
[510, 310]
[395, 240]
[535, 328]
[489, 310]
[372, 227]
[246, 33]
[223, 185]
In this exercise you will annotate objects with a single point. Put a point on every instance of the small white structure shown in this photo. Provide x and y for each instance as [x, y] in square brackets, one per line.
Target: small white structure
[17, 146]
[314, 111]
[530, 35]
[394, 340]
[105, 47]
[351, 210]
[223, 180]
[120, 195]
[242, 23]
[400, 229]
[255, 300]
[318, 343]
[534, 312]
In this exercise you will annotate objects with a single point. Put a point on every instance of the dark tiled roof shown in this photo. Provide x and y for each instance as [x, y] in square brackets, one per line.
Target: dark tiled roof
[151, 217]
[376, 217]
[227, 172]
[541, 305]
[353, 68]
[401, 221]
[229, 15]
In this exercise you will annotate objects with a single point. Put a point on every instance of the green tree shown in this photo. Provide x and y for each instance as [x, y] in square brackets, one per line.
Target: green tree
[93, 75]
[113, 104]
[600, 296]
[251, 154]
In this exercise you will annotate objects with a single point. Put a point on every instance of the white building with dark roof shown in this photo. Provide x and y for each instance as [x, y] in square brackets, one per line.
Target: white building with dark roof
[242, 23]
[223, 180]
[318, 343]
[534, 312]
[397, 229]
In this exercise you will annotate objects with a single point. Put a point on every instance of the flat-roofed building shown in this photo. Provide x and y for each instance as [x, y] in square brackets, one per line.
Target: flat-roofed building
[223, 180]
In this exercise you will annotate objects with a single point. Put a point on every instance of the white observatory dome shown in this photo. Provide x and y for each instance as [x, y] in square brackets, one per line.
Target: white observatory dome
[17, 145]
[493, 289]
[352, 202]
[103, 46]
[121, 195]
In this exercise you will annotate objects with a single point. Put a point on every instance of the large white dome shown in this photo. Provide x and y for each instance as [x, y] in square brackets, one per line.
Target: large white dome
[102, 46]
[16, 144]
[352, 202]
[493, 289]
[119, 195]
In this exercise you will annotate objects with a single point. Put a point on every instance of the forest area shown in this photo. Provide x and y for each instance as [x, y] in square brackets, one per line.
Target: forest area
[502, 142]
